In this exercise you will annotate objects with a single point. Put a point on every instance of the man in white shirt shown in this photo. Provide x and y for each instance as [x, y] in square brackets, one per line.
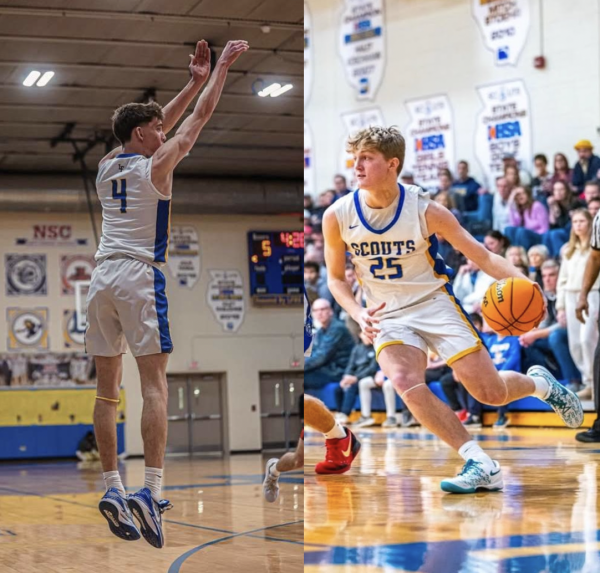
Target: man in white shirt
[501, 208]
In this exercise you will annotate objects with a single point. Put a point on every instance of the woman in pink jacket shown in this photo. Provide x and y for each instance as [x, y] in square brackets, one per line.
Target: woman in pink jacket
[528, 219]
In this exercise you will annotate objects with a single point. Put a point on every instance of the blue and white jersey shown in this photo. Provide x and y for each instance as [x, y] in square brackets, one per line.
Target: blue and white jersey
[395, 257]
[308, 327]
[135, 215]
[505, 352]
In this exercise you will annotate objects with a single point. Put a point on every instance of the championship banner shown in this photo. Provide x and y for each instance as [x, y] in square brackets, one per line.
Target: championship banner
[362, 46]
[52, 236]
[25, 275]
[504, 25]
[308, 55]
[503, 126]
[184, 255]
[74, 268]
[73, 336]
[225, 297]
[353, 122]
[309, 167]
[429, 139]
[27, 328]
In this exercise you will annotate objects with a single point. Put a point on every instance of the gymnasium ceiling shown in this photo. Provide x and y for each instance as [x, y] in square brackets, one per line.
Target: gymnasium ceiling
[109, 52]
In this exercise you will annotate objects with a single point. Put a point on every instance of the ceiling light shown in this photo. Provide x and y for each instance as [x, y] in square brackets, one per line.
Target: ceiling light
[31, 78]
[282, 90]
[269, 90]
[45, 79]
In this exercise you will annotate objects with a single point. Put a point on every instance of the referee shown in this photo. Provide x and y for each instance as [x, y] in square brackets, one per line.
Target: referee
[592, 269]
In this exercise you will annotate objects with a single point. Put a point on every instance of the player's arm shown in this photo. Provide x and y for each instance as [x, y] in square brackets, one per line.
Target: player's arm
[200, 70]
[440, 220]
[173, 151]
[335, 260]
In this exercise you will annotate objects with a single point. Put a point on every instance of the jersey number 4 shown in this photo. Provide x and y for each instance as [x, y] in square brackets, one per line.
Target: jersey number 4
[122, 195]
[381, 271]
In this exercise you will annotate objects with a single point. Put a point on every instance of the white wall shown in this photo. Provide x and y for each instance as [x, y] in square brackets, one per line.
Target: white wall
[434, 46]
[269, 339]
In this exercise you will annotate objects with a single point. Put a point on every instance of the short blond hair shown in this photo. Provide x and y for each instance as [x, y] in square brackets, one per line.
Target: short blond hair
[387, 140]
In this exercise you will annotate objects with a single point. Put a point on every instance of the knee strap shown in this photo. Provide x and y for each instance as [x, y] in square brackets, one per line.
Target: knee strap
[407, 391]
[108, 399]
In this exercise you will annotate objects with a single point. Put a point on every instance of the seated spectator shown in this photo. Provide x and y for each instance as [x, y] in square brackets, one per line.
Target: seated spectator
[446, 199]
[562, 171]
[593, 206]
[501, 208]
[561, 204]
[496, 242]
[509, 160]
[591, 191]
[377, 383]
[548, 344]
[325, 200]
[582, 337]
[470, 285]
[361, 366]
[506, 355]
[541, 185]
[341, 186]
[314, 250]
[451, 256]
[307, 226]
[308, 201]
[465, 189]
[517, 255]
[528, 219]
[315, 284]
[444, 180]
[537, 255]
[511, 174]
[332, 345]
[407, 178]
[587, 167]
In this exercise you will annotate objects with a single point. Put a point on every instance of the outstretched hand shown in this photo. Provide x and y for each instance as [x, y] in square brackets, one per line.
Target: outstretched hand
[200, 62]
[232, 51]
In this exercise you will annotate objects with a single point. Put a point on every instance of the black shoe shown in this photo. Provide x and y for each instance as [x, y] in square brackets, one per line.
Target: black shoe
[589, 436]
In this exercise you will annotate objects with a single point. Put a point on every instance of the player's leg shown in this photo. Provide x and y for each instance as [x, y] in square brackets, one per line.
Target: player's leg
[480, 377]
[147, 504]
[275, 467]
[341, 444]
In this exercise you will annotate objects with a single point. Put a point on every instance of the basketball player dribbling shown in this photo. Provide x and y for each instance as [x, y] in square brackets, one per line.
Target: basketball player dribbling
[341, 444]
[390, 231]
[126, 302]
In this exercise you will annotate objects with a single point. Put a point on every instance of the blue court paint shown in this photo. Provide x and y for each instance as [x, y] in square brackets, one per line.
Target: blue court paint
[176, 565]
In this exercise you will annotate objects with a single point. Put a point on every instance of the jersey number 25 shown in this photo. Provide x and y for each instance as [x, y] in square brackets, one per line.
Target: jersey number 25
[381, 271]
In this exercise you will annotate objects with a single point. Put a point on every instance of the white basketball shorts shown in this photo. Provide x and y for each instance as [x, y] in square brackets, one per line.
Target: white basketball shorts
[127, 305]
[438, 323]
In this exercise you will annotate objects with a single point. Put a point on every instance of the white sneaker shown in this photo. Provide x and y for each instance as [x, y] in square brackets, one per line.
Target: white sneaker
[564, 402]
[390, 422]
[364, 422]
[271, 482]
[473, 477]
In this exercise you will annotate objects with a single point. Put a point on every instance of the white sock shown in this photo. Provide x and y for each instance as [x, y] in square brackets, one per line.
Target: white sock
[273, 470]
[472, 451]
[336, 432]
[542, 387]
[113, 479]
[153, 481]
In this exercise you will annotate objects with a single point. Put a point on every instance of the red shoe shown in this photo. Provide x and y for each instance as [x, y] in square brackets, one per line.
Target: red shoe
[462, 415]
[340, 454]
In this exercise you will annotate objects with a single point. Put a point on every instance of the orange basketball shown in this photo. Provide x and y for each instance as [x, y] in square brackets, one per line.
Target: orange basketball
[513, 306]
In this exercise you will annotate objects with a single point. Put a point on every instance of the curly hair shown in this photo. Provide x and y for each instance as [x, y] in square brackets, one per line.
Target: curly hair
[387, 140]
[131, 115]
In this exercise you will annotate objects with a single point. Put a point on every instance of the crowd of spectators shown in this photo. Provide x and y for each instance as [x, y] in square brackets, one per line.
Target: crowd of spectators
[541, 222]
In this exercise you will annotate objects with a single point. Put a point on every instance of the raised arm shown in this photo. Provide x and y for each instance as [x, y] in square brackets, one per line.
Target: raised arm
[173, 151]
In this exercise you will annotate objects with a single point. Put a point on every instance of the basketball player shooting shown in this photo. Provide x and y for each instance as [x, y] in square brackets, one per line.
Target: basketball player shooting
[341, 444]
[390, 231]
[126, 302]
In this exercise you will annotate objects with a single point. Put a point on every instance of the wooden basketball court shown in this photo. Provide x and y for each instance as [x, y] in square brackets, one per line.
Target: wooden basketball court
[389, 514]
[49, 521]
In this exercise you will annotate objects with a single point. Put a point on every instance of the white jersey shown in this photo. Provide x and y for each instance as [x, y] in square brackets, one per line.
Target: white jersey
[395, 258]
[135, 215]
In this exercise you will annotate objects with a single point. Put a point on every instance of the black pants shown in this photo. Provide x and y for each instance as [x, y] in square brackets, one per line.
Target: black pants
[596, 425]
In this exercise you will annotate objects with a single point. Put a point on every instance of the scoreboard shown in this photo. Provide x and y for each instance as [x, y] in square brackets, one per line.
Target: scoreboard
[276, 268]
